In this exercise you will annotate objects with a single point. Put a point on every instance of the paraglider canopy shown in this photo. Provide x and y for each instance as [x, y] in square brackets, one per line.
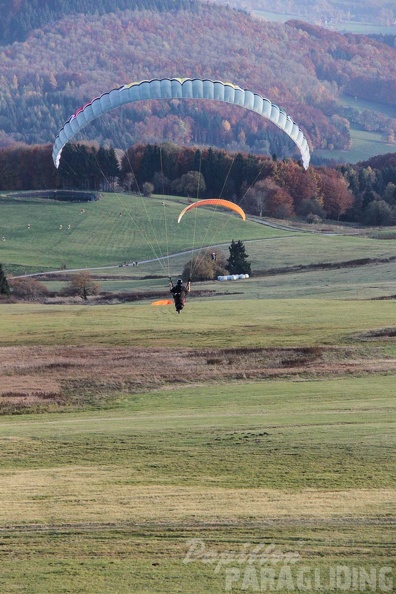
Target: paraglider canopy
[180, 88]
[162, 302]
[214, 202]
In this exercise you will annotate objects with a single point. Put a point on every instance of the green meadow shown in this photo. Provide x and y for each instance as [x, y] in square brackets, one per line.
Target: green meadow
[39, 235]
[206, 322]
[245, 445]
[116, 497]
[364, 144]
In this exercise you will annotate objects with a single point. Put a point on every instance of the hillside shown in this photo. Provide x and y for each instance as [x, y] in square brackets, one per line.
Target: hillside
[303, 68]
[42, 234]
[21, 17]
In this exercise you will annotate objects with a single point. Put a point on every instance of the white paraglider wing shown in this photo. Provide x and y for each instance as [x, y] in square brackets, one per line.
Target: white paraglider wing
[180, 88]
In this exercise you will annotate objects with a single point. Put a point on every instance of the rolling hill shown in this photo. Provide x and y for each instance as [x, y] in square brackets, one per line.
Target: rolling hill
[305, 69]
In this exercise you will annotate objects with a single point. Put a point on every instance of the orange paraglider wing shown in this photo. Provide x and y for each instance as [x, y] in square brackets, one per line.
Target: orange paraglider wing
[162, 302]
[214, 202]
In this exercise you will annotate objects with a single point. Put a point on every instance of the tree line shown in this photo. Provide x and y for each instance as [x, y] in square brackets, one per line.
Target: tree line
[364, 193]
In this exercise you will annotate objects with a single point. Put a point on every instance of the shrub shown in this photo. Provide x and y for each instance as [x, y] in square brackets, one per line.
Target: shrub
[313, 219]
[27, 288]
[148, 189]
[203, 267]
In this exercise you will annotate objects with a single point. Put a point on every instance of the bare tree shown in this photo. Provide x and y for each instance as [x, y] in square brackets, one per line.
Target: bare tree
[82, 284]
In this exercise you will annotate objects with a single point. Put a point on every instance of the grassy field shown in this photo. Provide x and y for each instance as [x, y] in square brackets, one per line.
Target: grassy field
[110, 231]
[101, 239]
[206, 322]
[116, 496]
[363, 105]
[364, 145]
[245, 445]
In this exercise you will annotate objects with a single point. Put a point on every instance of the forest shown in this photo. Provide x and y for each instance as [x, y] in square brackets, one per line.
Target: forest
[20, 17]
[364, 193]
[67, 59]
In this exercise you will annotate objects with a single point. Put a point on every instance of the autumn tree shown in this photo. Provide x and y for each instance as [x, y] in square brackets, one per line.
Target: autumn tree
[337, 197]
[267, 198]
[161, 183]
[390, 193]
[192, 183]
[129, 182]
[300, 184]
[378, 212]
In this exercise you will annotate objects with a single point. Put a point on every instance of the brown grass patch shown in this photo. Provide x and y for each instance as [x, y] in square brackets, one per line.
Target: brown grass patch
[78, 376]
[76, 494]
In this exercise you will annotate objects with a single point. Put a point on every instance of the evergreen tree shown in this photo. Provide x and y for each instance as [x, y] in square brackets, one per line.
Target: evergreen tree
[107, 162]
[151, 162]
[4, 287]
[238, 260]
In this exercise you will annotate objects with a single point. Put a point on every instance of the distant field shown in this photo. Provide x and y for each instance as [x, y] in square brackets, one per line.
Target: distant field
[342, 27]
[362, 104]
[115, 229]
[101, 238]
[364, 145]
